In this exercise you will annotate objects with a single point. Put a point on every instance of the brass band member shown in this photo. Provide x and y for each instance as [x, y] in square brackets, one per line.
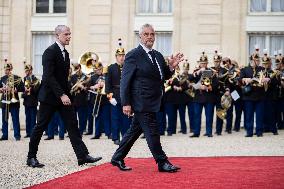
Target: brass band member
[10, 85]
[206, 84]
[32, 85]
[101, 110]
[279, 63]
[80, 95]
[223, 89]
[253, 95]
[235, 86]
[271, 95]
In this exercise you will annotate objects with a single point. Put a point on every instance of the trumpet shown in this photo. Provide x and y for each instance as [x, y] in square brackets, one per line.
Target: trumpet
[29, 83]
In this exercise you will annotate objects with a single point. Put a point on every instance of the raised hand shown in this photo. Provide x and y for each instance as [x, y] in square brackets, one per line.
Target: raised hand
[174, 60]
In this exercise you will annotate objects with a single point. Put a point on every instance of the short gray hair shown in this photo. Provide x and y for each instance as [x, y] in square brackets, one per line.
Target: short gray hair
[145, 26]
[60, 28]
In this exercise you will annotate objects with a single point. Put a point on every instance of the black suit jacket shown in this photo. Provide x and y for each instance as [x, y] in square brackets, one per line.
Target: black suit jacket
[141, 85]
[55, 76]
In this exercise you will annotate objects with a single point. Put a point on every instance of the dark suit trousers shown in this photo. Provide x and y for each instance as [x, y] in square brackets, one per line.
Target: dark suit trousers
[69, 118]
[147, 123]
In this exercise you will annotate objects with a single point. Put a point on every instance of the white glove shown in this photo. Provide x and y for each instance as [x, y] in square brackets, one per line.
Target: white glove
[113, 101]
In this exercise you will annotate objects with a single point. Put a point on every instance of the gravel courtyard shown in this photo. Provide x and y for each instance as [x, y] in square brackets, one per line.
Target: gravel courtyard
[59, 158]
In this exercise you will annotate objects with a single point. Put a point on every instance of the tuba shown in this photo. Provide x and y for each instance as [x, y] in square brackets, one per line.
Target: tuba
[226, 102]
[86, 61]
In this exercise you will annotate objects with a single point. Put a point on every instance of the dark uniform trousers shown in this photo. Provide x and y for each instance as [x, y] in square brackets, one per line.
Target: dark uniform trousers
[82, 112]
[14, 110]
[30, 112]
[147, 123]
[190, 111]
[90, 117]
[68, 116]
[120, 123]
[103, 119]
[162, 121]
[209, 113]
[229, 119]
[171, 110]
[55, 124]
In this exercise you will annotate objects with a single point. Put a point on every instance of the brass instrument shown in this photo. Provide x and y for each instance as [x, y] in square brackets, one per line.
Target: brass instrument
[100, 92]
[79, 85]
[86, 61]
[29, 83]
[226, 102]
[257, 79]
[233, 75]
[206, 77]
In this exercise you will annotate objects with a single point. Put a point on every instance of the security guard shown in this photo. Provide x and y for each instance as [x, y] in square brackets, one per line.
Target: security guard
[253, 94]
[10, 85]
[32, 85]
[120, 123]
[206, 85]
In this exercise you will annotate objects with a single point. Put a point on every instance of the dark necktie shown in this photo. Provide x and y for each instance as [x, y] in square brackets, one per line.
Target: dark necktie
[65, 53]
[154, 62]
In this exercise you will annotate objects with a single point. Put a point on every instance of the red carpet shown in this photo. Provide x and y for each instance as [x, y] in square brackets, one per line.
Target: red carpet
[219, 172]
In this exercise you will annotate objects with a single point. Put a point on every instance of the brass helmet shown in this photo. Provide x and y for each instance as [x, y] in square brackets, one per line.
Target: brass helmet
[217, 57]
[255, 54]
[185, 65]
[265, 59]
[120, 50]
[203, 58]
[279, 58]
[28, 67]
[8, 65]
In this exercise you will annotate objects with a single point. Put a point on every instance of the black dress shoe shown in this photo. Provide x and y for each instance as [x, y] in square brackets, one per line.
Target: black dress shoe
[2, 138]
[259, 135]
[49, 138]
[249, 136]
[194, 136]
[229, 132]
[170, 134]
[18, 139]
[109, 137]
[219, 134]
[168, 167]
[27, 136]
[275, 133]
[209, 135]
[88, 159]
[205, 134]
[95, 137]
[33, 162]
[121, 165]
[88, 133]
[61, 138]
[116, 142]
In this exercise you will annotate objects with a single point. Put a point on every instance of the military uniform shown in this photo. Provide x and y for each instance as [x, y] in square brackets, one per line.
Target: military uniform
[101, 109]
[204, 98]
[8, 105]
[80, 101]
[32, 85]
[253, 97]
[120, 123]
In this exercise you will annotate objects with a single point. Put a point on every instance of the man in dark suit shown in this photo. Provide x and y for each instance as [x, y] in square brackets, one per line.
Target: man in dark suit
[141, 91]
[54, 95]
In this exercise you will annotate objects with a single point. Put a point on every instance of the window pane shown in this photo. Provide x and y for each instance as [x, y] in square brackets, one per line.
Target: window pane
[164, 43]
[165, 6]
[40, 43]
[59, 6]
[42, 6]
[256, 40]
[257, 5]
[145, 6]
[277, 5]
